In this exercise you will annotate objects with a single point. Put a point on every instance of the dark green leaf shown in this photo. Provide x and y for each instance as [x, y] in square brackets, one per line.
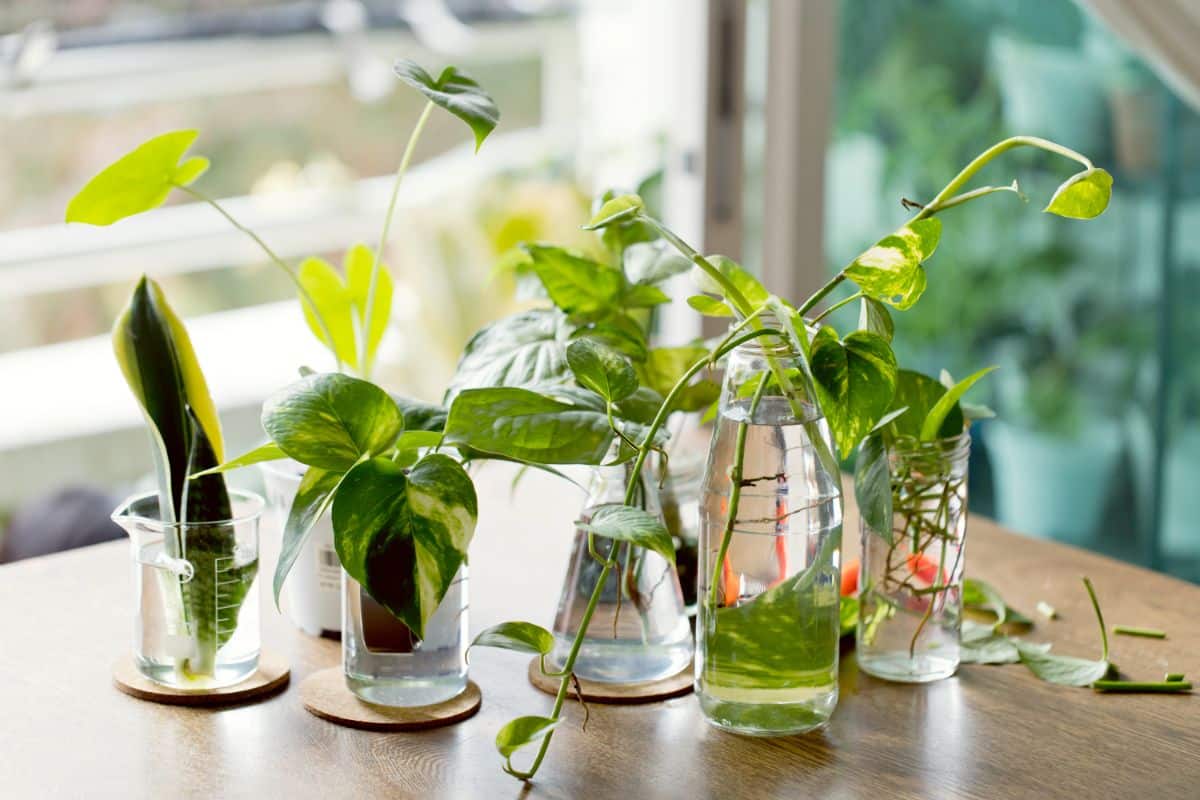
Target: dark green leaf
[873, 486]
[521, 732]
[709, 306]
[520, 350]
[936, 418]
[601, 369]
[629, 524]
[528, 426]
[403, 534]
[641, 406]
[523, 637]
[412, 440]
[455, 92]
[420, 416]
[138, 181]
[855, 381]
[848, 615]
[891, 270]
[979, 595]
[873, 316]
[577, 285]
[919, 394]
[1082, 196]
[618, 209]
[620, 332]
[332, 420]
[314, 495]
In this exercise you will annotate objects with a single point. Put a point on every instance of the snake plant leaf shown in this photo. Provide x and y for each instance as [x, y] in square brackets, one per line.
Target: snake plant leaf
[331, 420]
[709, 306]
[891, 270]
[521, 424]
[519, 350]
[403, 533]
[621, 208]
[315, 493]
[919, 394]
[651, 263]
[873, 316]
[332, 299]
[855, 381]
[456, 92]
[1084, 195]
[521, 732]
[357, 265]
[601, 369]
[579, 286]
[263, 453]
[159, 364]
[936, 418]
[873, 485]
[629, 524]
[138, 181]
[522, 637]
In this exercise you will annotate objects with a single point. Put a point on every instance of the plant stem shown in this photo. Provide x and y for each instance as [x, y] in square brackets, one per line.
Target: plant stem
[275, 259]
[1163, 687]
[1148, 633]
[1099, 617]
[835, 307]
[365, 338]
[1173, 677]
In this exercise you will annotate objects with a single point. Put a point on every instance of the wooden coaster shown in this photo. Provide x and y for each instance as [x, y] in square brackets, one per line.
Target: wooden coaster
[326, 695]
[616, 693]
[272, 676]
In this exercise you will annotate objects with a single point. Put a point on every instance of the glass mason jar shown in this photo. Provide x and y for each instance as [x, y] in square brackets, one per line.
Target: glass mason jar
[770, 539]
[639, 631]
[386, 664]
[313, 589]
[197, 620]
[910, 584]
[680, 499]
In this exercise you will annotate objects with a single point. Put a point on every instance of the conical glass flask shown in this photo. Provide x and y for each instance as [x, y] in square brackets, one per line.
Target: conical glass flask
[197, 623]
[639, 631]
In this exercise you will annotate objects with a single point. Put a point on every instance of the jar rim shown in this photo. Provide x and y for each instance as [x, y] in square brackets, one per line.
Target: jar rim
[944, 445]
[251, 500]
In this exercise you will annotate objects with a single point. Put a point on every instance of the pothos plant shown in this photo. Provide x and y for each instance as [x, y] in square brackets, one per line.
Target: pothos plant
[402, 518]
[855, 378]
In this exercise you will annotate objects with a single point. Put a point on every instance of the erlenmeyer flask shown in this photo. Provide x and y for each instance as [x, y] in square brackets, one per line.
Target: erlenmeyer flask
[196, 625]
[639, 631]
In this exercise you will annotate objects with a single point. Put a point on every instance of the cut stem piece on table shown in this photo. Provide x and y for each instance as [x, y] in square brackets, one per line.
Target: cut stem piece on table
[1146, 633]
[1046, 610]
[1149, 687]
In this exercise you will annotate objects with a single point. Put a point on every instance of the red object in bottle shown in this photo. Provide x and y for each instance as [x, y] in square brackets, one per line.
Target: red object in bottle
[850, 578]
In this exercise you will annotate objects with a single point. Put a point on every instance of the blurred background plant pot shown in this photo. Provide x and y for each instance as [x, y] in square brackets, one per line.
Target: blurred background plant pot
[1181, 496]
[1052, 486]
[313, 591]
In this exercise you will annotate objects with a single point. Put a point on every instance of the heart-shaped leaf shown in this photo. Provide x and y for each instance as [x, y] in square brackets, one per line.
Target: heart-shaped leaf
[652, 263]
[403, 534]
[420, 416]
[601, 369]
[891, 271]
[313, 497]
[619, 331]
[855, 381]
[629, 524]
[936, 418]
[138, 181]
[523, 731]
[618, 209]
[1063, 670]
[640, 295]
[919, 394]
[577, 285]
[1082, 196]
[455, 92]
[523, 637]
[873, 485]
[332, 420]
[528, 426]
[873, 316]
[524, 349]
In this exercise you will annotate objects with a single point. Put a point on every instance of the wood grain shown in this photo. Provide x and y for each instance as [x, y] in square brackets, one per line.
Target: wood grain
[676, 685]
[990, 732]
[325, 694]
[272, 675]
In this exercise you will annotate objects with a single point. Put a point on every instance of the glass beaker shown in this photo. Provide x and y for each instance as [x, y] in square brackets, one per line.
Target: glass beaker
[387, 664]
[910, 596]
[770, 537]
[313, 589]
[197, 619]
[639, 630]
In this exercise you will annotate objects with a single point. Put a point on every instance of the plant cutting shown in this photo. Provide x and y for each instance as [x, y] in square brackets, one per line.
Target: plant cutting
[195, 542]
[405, 516]
[804, 385]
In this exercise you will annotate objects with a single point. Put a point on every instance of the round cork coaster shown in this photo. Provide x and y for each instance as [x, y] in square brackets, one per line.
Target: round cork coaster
[615, 693]
[272, 676]
[326, 695]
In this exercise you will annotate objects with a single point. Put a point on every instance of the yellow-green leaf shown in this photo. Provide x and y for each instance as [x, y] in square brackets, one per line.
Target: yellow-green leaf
[1082, 196]
[891, 271]
[357, 264]
[333, 301]
[621, 207]
[138, 181]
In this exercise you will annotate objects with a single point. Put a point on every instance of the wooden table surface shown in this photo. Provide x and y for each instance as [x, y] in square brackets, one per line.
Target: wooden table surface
[990, 732]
